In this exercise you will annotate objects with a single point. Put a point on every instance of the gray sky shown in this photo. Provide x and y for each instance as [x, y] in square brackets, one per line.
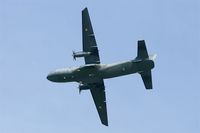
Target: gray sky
[37, 36]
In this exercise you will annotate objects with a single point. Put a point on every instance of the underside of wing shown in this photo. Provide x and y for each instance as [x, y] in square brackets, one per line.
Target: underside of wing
[99, 97]
[89, 42]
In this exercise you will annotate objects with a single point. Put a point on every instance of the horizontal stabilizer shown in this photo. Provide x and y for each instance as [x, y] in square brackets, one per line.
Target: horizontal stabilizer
[142, 50]
[147, 79]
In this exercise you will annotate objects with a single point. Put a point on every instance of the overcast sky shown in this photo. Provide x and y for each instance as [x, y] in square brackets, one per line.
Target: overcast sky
[38, 36]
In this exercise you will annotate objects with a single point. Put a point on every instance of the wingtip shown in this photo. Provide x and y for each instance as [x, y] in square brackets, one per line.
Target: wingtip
[105, 124]
[85, 9]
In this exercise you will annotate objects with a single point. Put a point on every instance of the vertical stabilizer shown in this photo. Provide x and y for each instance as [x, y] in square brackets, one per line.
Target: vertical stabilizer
[142, 50]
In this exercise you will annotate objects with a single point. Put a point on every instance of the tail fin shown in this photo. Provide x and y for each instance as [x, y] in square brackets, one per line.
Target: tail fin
[142, 50]
[143, 54]
[147, 79]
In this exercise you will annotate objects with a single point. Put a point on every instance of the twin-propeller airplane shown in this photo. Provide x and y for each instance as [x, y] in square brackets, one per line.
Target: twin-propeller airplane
[91, 76]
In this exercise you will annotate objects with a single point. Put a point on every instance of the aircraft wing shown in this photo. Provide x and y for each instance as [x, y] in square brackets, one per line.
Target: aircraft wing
[89, 42]
[97, 89]
[98, 93]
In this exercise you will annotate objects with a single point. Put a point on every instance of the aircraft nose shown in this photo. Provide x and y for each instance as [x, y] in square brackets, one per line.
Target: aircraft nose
[48, 77]
[51, 76]
[59, 75]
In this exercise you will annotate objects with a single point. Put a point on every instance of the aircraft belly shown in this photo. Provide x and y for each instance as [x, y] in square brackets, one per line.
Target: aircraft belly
[119, 70]
[63, 78]
[87, 76]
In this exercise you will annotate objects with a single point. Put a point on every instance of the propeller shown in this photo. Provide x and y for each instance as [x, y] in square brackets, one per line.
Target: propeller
[73, 54]
[80, 91]
[79, 88]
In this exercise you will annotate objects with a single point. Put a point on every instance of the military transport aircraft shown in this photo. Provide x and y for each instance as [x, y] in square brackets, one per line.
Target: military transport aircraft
[91, 76]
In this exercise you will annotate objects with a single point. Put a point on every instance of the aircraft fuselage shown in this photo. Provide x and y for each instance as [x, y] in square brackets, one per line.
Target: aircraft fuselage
[94, 72]
[91, 75]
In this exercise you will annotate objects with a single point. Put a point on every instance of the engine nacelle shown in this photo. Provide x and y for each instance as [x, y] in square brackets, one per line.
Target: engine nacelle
[89, 86]
[80, 54]
[83, 87]
[93, 51]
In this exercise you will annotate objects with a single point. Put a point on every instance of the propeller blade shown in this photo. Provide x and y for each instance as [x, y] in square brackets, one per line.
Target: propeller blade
[73, 54]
